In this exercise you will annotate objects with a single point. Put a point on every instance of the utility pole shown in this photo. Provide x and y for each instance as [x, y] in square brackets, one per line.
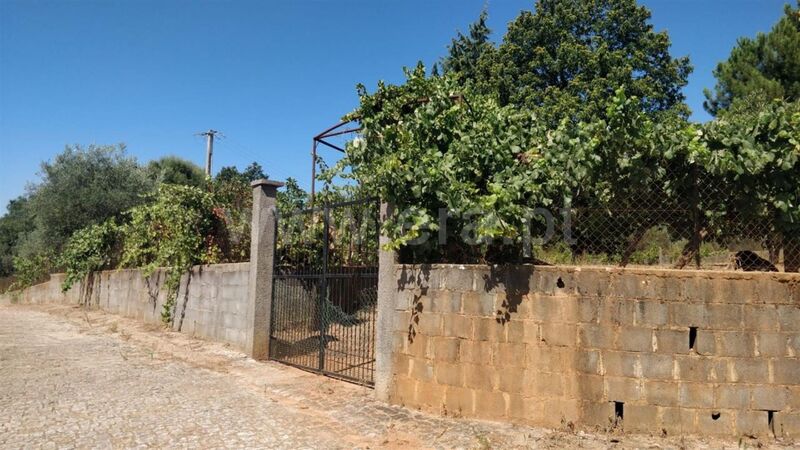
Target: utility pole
[209, 148]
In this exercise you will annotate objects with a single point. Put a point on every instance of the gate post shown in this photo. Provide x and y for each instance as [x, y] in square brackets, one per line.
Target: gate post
[384, 321]
[262, 254]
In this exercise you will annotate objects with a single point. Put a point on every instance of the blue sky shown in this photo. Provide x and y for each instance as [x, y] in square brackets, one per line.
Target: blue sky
[269, 75]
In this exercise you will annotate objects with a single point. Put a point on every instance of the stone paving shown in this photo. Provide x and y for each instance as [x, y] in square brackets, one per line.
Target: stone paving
[76, 379]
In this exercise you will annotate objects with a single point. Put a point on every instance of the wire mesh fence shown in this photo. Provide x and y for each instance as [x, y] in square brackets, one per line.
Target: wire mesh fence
[675, 219]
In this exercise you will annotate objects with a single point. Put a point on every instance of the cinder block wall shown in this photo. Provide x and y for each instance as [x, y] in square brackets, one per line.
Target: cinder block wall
[211, 302]
[713, 353]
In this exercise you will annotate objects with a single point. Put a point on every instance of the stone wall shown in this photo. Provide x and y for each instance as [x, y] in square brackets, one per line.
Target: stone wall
[654, 351]
[211, 304]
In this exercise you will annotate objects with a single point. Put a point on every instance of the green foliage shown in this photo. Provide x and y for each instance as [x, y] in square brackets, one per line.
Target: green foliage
[174, 170]
[81, 187]
[566, 57]
[767, 66]
[251, 173]
[17, 222]
[31, 270]
[753, 156]
[89, 249]
[172, 231]
[493, 163]
[465, 51]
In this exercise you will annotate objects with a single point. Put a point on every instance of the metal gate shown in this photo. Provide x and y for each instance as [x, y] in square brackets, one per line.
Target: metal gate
[325, 290]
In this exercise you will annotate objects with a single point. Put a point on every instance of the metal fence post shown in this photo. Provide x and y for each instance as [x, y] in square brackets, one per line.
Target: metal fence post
[262, 253]
[384, 321]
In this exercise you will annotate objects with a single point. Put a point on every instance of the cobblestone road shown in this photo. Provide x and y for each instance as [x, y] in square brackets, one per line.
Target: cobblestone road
[69, 378]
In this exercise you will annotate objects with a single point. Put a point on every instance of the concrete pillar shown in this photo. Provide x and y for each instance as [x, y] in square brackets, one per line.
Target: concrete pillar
[384, 320]
[262, 252]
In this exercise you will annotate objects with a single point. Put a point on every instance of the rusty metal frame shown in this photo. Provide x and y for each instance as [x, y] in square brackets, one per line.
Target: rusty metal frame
[336, 130]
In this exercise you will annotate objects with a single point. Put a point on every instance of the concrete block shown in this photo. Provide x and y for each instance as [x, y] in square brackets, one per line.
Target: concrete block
[716, 422]
[587, 310]
[695, 368]
[771, 344]
[752, 423]
[402, 365]
[509, 355]
[456, 326]
[540, 384]
[422, 369]
[620, 389]
[724, 317]
[621, 364]
[404, 391]
[476, 352]
[559, 334]
[430, 396]
[592, 283]
[459, 401]
[560, 411]
[706, 342]
[786, 371]
[650, 313]
[615, 311]
[489, 405]
[761, 318]
[657, 366]
[773, 398]
[592, 335]
[772, 291]
[588, 362]
[672, 341]
[523, 332]
[678, 421]
[660, 393]
[735, 343]
[480, 377]
[545, 358]
[641, 418]
[479, 304]
[449, 374]
[787, 424]
[689, 314]
[736, 291]
[488, 329]
[446, 302]
[635, 339]
[524, 409]
[729, 396]
[750, 370]
[588, 387]
[598, 414]
[430, 324]
[546, 308]
[445, 349]
[789, 317]
[458, 278]
[696, 395]
[511, 380]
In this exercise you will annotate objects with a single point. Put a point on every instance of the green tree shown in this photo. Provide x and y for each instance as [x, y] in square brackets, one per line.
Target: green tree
[14, 225]
[567, 57]
[80, 187]
[174, 170]
[465, 51]
[765, 67]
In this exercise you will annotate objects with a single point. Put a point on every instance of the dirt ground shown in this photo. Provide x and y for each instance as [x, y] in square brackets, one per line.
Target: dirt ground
[76, 378]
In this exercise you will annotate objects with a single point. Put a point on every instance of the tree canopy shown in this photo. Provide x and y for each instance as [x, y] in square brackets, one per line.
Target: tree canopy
[174, 170]
[566, 58]
[764, 67]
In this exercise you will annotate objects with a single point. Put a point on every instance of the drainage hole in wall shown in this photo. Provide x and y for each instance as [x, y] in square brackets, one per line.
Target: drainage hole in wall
[771, 422]
[715, 415]
[619, 411]
[692, 337]
[560, 283]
